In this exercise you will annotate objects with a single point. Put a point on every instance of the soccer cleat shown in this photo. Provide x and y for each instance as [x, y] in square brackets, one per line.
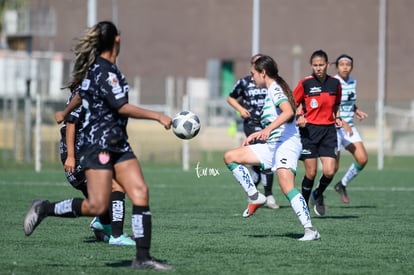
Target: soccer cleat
[311, 234]
[342, 192]
[121, 240]
[318, 204]
[271, 202]
[102, 231]
[254, 205]
[34, 217]
[151, 263]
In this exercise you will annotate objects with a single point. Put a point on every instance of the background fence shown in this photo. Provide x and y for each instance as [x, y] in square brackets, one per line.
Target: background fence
[28, 130]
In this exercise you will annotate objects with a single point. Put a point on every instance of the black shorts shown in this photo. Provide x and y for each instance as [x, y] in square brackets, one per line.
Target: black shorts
[318, 141]
[96, 158]
[77, 179]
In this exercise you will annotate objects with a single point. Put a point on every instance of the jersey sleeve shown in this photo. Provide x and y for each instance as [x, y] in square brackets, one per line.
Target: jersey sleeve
[74, 115]
[238, 88]
[338, 94]
[299, 93]
[278, 97]
[114, 93]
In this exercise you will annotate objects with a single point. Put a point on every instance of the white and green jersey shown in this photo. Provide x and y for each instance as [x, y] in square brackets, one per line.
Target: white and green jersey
[348, 99]
[271, 111]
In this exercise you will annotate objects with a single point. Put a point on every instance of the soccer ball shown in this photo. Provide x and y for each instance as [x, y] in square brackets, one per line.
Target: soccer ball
[186, 125]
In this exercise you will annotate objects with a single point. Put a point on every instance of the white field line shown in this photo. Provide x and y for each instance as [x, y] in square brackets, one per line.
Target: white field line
[224, 185]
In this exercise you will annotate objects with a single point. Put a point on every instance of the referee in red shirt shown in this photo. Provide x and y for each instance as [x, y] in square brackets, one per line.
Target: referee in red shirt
[318, 97]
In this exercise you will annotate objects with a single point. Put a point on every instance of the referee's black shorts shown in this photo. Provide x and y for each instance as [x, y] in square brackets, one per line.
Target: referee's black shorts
[318, 141]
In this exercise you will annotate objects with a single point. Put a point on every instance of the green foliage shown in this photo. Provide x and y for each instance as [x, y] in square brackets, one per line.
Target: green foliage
[198, 228]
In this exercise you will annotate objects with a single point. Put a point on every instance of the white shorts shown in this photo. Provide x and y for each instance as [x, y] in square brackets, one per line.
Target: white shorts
[279, 154]
[344, 139]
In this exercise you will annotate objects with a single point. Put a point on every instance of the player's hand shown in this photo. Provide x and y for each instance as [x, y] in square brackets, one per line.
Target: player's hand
[166, 121]
[339, 122]
[59, 117]
[259, 135]
[360, 114]
[244, 113]
[301, 121]
[70, 164]
[250, 139]
[347, 128]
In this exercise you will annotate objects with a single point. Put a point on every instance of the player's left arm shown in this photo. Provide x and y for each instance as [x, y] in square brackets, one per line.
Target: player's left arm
[136, 112]
[286, 115]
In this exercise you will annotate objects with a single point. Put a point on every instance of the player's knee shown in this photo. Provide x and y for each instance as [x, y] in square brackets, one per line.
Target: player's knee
[95, 208]
[228, 157]
[139, 195]
[362, 162]
[311, 174]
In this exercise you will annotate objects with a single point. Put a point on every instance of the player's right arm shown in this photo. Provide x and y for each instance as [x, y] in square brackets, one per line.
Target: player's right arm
[244, 113]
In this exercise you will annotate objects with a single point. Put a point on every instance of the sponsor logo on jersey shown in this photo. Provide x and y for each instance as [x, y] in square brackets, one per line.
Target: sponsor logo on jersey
[315, 90]
[112, 80]
[85, 84]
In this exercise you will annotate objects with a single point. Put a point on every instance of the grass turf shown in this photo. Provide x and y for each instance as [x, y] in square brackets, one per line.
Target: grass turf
[198, 228]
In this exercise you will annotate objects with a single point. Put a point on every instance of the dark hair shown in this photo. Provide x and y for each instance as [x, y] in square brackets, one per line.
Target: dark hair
[319, 53]
[254, 57]
[96, 40]
[267, 64]
[107, 33]
[344, 56]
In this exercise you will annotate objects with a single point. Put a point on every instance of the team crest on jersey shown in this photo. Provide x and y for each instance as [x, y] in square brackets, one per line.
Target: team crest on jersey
[112, 80]
[314, 103]
[103, 157]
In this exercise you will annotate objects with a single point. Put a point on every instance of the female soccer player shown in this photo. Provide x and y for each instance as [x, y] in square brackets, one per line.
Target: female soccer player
[318, 97]
[108, 227]
[350, 141]
[282, 149]
[248, 101]
[105, 152]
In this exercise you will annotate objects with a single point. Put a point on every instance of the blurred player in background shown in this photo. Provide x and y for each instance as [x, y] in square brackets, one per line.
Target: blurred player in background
[352, 140]
[248, 101]
[318, 97]
[282, 147]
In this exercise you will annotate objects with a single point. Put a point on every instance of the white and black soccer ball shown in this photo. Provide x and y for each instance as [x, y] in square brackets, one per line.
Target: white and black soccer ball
[186, 125]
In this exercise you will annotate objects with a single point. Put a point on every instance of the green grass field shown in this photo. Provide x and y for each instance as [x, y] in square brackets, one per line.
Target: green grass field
[198, 228]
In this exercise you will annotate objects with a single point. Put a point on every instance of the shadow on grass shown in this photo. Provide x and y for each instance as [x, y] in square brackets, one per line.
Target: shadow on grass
[93, 239]
[342, 217]
[345, 216]
[124, 263]
[286, 235]
[355, 206]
